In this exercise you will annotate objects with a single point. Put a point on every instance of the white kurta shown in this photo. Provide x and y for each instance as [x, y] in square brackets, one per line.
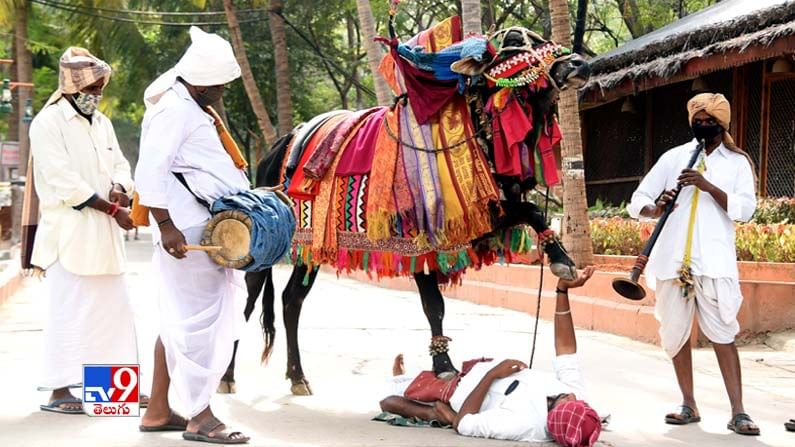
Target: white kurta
[73, 160]
[88, 318]
[197, 296]
[713, 249]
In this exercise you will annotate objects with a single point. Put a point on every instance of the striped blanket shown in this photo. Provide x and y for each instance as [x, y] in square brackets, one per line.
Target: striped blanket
[382, 191]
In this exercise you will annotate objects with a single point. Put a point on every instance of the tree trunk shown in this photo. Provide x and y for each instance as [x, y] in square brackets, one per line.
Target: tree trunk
[471, 17]
[576, 230]
[263, 120]
[374, 54]
[24, 63]
[631, 14]
[13, 118]
[283, 94]
[579, 26]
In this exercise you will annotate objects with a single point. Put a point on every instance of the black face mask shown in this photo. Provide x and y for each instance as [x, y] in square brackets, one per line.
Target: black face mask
[209, 96]
[707, 132]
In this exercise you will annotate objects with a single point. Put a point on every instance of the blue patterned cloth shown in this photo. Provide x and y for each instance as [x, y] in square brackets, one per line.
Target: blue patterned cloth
[273, 225]
[439, 63]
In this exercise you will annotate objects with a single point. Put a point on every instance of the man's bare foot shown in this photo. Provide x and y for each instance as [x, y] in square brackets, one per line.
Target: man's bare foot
[444, 413]
[398, 369]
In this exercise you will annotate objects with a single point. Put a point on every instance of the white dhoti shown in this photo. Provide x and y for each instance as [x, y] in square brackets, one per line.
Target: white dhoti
[88, 320]
[197, 328]
[716, 302]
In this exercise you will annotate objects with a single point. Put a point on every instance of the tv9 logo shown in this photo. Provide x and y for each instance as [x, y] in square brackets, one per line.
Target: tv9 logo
[111, 390]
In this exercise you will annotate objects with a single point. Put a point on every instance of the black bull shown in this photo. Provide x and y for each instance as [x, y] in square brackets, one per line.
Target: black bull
[572, 72]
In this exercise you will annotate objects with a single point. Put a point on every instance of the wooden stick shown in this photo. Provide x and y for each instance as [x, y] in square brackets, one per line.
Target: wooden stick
[207, 248]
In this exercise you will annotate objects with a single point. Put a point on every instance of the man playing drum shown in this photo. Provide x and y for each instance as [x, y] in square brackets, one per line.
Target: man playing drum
[183, 162]
[693, 266]
[82, 180]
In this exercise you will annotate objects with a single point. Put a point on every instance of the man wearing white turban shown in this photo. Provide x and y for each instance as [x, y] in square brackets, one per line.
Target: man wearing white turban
[81, 181]
[182, 168]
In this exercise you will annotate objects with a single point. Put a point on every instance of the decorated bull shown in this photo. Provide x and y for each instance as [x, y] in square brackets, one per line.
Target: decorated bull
[430, 186]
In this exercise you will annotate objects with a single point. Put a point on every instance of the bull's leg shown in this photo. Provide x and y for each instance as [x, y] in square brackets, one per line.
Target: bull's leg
[433, 306]
[517, 213]
[254, 283]
[292, 300]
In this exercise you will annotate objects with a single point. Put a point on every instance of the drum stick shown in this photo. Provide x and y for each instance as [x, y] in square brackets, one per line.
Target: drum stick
[207, 248]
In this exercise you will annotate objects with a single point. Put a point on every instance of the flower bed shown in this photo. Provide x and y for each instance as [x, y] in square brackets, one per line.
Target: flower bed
[760, 242]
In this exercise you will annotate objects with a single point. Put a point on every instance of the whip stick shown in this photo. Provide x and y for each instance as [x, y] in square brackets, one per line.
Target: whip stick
[629, 287]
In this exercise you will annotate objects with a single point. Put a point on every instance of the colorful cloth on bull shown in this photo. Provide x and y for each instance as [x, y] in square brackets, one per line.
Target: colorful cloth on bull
[513, 127]
[385, 192]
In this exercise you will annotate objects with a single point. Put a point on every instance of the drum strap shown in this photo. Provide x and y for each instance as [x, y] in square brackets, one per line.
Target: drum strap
[182, 180]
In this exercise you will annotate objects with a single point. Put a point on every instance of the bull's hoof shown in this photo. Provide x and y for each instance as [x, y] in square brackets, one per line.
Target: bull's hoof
[301, 388]
[227, 387]
[443, 366]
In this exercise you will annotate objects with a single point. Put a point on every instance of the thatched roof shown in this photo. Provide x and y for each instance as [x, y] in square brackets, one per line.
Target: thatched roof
[728, 26]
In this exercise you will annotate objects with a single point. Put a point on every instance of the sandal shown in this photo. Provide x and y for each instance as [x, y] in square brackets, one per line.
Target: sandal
[55, 406]
[684, 416]
[221, 437]
[790, 426]
[175, 423]
[742, 424]
[143, 401]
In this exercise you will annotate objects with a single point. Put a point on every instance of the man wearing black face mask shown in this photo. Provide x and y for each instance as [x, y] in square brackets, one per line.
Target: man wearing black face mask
[184, 167]
[693, 266]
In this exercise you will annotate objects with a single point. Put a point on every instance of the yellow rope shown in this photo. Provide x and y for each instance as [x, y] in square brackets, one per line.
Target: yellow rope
[685, 273]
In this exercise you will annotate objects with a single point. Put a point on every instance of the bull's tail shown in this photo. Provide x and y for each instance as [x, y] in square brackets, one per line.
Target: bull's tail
[256, 282]
[268, 317]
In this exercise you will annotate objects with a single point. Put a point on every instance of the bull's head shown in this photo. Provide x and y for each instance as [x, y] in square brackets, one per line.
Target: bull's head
[522, 57]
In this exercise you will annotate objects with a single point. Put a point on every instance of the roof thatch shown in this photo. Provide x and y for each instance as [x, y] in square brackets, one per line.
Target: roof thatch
[728, 26]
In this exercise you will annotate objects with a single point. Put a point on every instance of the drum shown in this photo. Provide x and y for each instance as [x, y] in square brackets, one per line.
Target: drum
[231, 231]
[251, 230]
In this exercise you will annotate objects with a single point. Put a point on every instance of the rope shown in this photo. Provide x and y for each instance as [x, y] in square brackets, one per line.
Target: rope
[474, 136]
[540, 286]
[75, 10]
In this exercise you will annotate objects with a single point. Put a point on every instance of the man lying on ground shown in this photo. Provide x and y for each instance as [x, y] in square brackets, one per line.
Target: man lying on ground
[506, 400]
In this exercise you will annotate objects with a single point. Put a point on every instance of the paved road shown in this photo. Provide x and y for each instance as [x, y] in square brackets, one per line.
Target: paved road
[350, 332]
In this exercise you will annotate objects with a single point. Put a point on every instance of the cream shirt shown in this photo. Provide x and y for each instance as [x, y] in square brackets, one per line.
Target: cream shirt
[73, 160]
[713, 248]
[178, 136]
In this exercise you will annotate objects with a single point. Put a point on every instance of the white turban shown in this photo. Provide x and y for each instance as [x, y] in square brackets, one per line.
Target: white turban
[209, 60]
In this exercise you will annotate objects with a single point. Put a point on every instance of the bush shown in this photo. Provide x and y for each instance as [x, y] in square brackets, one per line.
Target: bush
[775, 211]
[606, 210]
[755, 242]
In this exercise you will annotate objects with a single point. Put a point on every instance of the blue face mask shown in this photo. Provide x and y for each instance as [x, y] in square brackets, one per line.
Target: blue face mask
[86, 103]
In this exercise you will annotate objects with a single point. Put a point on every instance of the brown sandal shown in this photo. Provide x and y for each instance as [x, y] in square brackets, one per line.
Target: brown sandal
[175, 423]
[220, 437]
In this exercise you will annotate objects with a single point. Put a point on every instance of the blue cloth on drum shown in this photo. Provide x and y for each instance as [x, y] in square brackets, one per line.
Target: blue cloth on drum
[272, 225]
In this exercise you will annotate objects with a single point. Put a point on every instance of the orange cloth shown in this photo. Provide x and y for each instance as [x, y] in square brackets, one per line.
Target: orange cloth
[140, 213]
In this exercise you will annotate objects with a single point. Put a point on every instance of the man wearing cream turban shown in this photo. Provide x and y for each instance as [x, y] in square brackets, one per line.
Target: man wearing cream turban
[693, 266]
[183, 167]
[81, 180]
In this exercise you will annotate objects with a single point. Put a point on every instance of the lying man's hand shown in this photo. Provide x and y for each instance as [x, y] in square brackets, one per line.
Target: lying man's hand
[506, 368]
[581, 279]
